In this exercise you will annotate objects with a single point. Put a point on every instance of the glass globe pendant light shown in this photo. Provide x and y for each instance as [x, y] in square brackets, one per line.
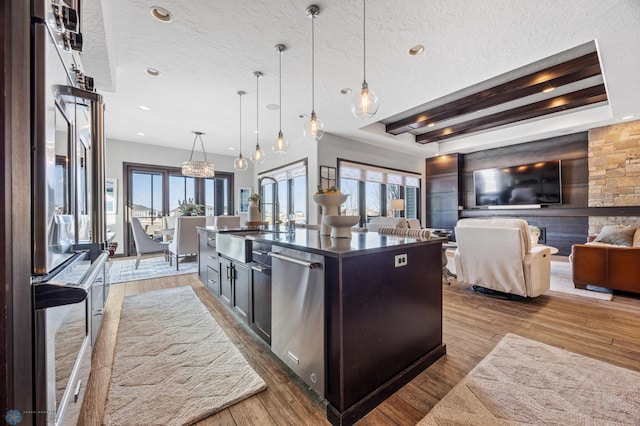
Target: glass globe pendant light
[257, 156]
[280, 144]
[240, 164]
[365, 103]
[314, 128]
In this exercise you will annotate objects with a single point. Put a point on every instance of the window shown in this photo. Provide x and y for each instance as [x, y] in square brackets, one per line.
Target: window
[284, 191]
[156, 191]
[372, 188]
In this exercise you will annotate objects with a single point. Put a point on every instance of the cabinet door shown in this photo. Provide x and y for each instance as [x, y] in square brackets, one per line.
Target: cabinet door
[203, 251]
[241, 290]
[226, 274]
[260, 298]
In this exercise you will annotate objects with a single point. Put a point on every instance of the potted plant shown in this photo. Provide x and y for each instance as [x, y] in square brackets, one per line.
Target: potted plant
[189, 207]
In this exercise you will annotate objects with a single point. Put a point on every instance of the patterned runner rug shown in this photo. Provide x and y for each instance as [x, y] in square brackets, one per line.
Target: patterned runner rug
[150, 267]
[173, 363]
[526, 382]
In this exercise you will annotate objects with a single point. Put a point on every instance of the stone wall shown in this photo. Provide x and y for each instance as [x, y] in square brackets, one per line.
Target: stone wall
[614, 171]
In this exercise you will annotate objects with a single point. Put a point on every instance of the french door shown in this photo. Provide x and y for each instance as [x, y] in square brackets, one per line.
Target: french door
[156, 191]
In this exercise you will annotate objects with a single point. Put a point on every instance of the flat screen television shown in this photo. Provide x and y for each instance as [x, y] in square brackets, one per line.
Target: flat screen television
[537, 183]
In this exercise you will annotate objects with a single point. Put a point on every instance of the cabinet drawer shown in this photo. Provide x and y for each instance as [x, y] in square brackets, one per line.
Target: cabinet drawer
[211, 259]
[259, 252]
[213, 281]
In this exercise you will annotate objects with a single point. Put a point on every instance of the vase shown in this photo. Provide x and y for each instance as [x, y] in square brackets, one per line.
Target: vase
[254, 212]
[329, 204]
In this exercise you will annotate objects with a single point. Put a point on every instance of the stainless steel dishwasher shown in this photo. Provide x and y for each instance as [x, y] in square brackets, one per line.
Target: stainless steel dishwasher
[297, 314]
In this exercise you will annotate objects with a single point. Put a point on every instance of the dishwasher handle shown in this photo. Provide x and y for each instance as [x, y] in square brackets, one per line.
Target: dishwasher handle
[310, 265]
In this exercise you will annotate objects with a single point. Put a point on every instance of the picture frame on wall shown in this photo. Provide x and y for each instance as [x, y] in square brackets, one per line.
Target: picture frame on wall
[111, 195]
[244, 199]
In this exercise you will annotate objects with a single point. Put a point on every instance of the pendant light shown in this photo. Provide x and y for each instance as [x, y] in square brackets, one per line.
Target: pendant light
[280, 144]
[240, 164]
[314, 128]
[257, 156]
[202, 169]
[365, 103]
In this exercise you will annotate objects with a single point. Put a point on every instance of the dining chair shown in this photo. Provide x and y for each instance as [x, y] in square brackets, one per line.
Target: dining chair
[185, 238]
[144, 244]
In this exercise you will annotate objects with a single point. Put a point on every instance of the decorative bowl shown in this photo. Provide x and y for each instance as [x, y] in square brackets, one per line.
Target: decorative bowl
[330, 204]
[340, 225]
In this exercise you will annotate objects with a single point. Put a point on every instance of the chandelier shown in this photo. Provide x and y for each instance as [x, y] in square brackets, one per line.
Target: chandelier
[201, 169]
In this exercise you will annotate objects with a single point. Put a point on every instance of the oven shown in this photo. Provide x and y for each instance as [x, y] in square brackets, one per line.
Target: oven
[68, 311]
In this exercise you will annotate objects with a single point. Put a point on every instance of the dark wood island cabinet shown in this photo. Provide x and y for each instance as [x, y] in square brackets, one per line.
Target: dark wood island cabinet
[382, 309]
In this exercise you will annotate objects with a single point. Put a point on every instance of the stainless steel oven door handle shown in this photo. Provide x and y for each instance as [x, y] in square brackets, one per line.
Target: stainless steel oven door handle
[310, 265]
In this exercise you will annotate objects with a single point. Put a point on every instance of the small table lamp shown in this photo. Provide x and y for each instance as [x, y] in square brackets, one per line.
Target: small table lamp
[397, 205]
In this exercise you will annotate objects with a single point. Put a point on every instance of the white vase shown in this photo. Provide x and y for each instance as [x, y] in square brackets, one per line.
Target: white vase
[254, 212]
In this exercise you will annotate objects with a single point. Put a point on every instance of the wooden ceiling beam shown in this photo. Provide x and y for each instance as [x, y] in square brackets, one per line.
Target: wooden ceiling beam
[565, 73]
[564, 102]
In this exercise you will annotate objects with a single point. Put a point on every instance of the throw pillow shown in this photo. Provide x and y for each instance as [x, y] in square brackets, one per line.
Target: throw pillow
[616, 234]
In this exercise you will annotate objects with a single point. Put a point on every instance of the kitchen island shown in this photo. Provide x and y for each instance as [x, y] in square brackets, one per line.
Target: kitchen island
[375, 320]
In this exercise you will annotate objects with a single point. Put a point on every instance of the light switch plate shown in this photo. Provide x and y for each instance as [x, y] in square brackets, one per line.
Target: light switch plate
[401, 260]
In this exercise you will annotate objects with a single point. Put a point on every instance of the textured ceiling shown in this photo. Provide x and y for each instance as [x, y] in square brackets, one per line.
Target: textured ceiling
[211, 49]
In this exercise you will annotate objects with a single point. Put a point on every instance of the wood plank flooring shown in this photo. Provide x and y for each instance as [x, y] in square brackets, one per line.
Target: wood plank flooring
[473, 325]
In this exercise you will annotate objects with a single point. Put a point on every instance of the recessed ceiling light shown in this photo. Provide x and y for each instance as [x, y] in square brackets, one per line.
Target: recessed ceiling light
[431, 124]
[416, 50]
[345, 91]
[273, 107]
[231, 148]
[161, 14]
[152, 72]
[626, 117]
[144, 107]
[141, 134]
[303, 115]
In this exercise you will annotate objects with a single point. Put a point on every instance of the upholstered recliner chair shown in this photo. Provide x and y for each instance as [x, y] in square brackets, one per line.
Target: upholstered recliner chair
[497, 254]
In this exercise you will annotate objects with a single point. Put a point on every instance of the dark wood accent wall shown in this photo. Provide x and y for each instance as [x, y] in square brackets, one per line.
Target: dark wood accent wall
[562, 226]
[444, 190]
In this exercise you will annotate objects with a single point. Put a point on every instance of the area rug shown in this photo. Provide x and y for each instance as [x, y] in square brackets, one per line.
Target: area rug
[526, 382]
[561, 281]
[173, 363]
[150, 267]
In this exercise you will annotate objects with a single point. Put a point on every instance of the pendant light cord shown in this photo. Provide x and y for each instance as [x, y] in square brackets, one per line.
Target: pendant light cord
[240, 95]
[313, 66]
[364, 39]
[280, 83]
[257, 112]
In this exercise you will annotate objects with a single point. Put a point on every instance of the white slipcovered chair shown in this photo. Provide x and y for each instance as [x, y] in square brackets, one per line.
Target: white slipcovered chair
[168, 224]
[497, 254]
[222, 222]
[185, 237]
[378, 222]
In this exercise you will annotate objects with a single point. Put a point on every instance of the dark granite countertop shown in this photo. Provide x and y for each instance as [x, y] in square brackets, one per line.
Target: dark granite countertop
[359, 243]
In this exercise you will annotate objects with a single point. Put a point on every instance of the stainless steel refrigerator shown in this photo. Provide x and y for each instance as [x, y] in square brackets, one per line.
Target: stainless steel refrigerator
[69, 263]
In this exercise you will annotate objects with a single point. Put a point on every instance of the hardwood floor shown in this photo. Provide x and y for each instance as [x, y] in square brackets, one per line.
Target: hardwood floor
[473, 325]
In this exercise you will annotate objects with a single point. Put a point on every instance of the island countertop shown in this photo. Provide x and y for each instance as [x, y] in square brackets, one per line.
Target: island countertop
[312, 241]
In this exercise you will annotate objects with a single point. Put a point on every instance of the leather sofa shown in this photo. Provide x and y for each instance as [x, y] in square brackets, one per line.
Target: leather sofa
[606, 265]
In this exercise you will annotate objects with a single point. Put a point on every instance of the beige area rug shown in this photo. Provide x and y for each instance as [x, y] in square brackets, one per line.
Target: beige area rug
[173, 364]
[560, 280]
[526, 382]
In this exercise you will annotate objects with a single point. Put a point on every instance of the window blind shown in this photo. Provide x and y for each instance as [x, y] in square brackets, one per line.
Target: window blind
[288, 172]
[366, 173]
